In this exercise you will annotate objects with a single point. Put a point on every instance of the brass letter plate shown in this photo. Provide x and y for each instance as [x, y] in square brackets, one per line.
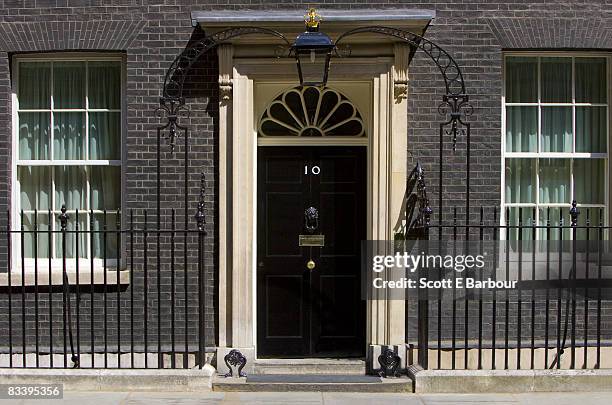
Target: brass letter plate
[312, 240]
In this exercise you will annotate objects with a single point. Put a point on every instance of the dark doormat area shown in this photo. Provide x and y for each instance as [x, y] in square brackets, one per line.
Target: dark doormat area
[313, 379]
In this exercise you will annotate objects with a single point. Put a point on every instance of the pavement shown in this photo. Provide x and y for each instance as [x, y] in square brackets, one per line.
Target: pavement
[308, 398]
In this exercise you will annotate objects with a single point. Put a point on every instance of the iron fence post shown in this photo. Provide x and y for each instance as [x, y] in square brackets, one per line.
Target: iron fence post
[201, 222]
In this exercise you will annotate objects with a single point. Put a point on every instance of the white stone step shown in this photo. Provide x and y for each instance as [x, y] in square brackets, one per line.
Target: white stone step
[310, 366]
[312, 383]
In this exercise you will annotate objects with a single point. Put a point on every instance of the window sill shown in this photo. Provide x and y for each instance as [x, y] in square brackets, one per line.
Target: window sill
[85, 278]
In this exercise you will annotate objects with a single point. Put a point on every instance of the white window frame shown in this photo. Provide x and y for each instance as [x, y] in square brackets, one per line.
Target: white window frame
[565, 155]
[56, 263]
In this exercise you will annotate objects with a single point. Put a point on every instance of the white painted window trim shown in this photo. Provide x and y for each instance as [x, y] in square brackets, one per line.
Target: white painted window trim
[25, 275]
[544, 155]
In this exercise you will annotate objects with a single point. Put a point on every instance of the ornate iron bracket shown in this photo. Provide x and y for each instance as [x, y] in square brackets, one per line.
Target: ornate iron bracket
[390, 363]
[425, 211]
[172, 108]
[235, 359]
[453, 78]
[180, 67]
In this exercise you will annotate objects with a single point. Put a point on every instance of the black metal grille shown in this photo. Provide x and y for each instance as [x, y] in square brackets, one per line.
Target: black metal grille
[560, 321]
[148, 312]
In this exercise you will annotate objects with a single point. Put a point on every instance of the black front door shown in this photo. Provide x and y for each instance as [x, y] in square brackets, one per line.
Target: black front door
[302, 310]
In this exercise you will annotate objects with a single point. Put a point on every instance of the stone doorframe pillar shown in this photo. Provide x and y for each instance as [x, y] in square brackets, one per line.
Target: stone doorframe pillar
[387, 171]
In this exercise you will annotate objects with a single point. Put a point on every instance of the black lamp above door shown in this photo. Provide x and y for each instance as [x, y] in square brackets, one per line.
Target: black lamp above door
[312, 50]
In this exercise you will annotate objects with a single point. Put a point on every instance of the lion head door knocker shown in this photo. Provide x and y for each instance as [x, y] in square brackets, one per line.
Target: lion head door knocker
[389, 364]
[311, 219]
[234, 359]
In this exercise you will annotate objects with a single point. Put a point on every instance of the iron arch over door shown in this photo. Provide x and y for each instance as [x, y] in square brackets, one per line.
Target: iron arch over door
[454, 108]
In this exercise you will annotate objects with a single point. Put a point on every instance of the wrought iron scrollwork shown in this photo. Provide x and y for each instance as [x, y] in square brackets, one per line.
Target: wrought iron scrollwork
[235, 359]
[457, 107]
[180, 67]
[455, 102]
[172, 109]
[453, 78]
[390, 364]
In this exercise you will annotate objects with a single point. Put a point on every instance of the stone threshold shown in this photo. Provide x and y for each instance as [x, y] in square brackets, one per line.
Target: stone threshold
[510, 381]
[309, 366]
[312, 383]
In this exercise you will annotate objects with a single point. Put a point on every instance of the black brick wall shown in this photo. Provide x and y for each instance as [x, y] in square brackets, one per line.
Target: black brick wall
[152, 33]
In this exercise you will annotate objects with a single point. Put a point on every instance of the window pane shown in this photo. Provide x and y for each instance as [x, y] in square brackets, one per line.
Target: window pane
[69, 136]
[526, 218]
[556, 80]
[591, 123]
[70, 186]
[40, 223]
[595, 216]
[69, 84]
[589, 181]
[520, 180]
[34, 85]
[556, 129]
[105, 135]
[106, 238]
[34, 135]
[552, 214]
[554, 180]
[591, 86]
[521, 80]
[521, 129]
[105, 187]
[104, 85]
[71, 240]
[35, 187]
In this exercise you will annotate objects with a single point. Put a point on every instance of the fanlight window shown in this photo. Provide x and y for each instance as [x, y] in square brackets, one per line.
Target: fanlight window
[311, 111]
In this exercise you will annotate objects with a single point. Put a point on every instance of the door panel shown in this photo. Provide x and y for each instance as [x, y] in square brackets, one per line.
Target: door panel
[318, 312]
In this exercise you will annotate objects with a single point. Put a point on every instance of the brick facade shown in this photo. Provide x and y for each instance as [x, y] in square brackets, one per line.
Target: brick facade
[152, 33]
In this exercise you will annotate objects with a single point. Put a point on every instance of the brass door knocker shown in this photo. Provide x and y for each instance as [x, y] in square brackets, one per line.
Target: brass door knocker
[311, 219]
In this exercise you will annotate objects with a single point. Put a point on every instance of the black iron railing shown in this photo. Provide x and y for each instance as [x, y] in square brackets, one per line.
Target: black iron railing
[121, 292]
[556, 316]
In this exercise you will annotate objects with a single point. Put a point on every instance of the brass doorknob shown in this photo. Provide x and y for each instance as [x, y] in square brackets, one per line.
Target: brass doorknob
[310, 265]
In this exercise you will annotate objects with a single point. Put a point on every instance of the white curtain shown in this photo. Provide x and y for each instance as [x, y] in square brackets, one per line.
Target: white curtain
[556, 80]
[556, 129]
[104, 136]
[34, 85]
[69, 85]
[521, 79]
[104, 85]
[591, 83]
[34, 135]
[520, 180]
[589, 181]
[591, 129]
[554, 181]
[521, 129]
[69, 137]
